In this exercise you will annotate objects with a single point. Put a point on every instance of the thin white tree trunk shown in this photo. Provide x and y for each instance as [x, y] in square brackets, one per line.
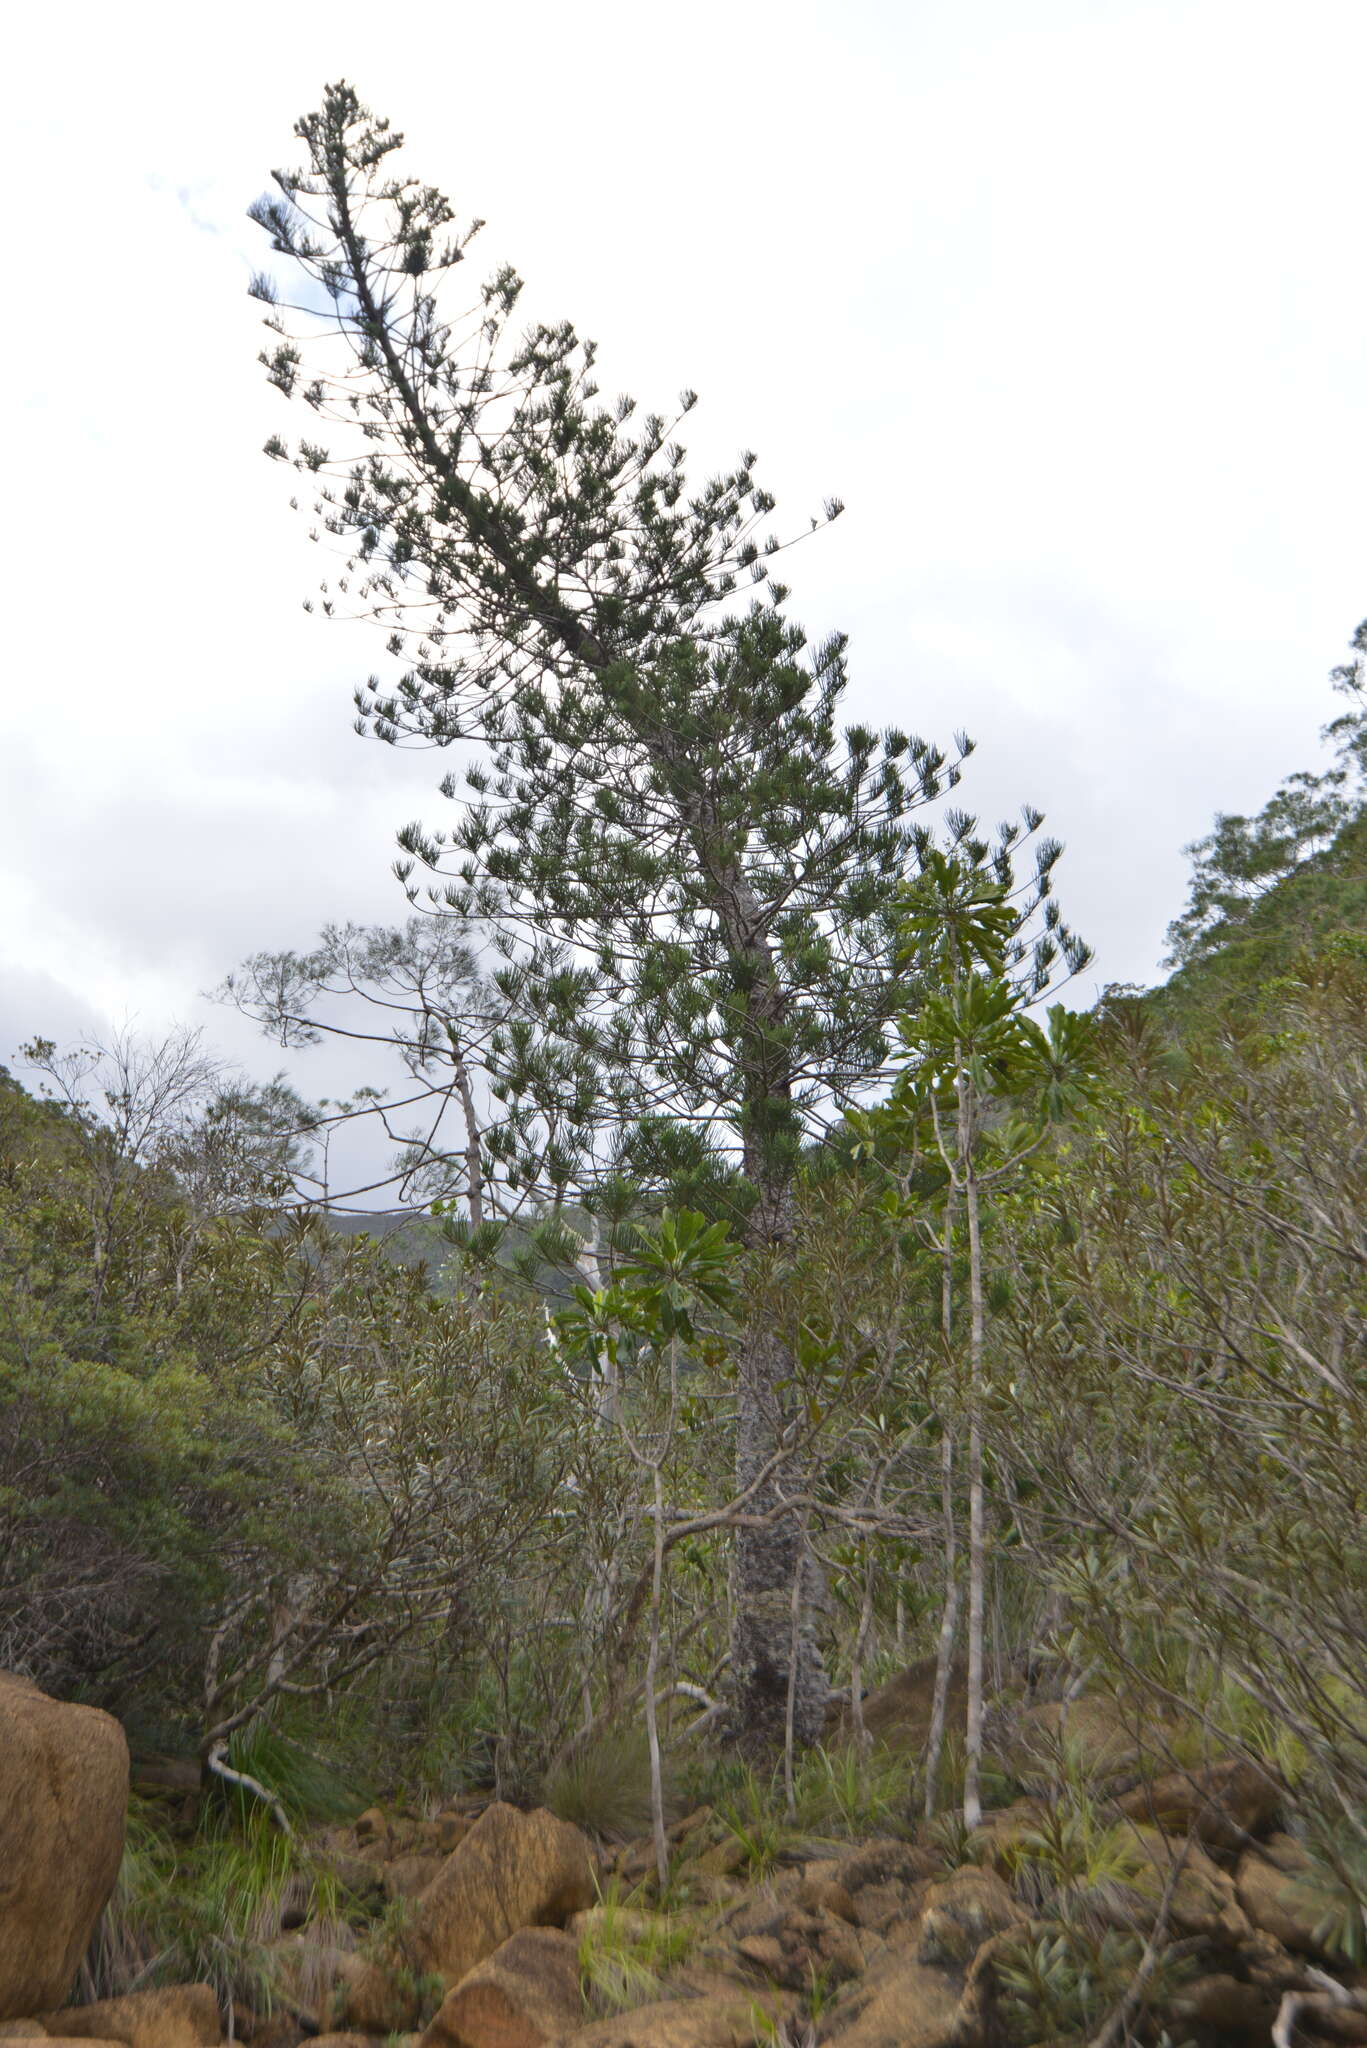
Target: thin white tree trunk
[657, 1795]
[949, 1625]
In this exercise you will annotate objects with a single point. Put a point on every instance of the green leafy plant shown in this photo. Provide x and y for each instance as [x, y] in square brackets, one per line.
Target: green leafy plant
[626, 1948]
[752, 1816]
[839, 1792]
[1062, 1985]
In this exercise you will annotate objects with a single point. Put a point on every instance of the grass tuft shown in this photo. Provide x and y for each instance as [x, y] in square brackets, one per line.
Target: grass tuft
[605, 1788]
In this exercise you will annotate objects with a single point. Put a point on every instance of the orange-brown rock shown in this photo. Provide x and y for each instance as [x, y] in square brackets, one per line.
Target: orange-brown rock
[1234, 2009]
[626, 1923]
[1275, 1890]
[723, 1859]
[961, 1913]
[1093, 1735]
[903, 2005]
[1203, 1901]
[1003, 1840]
[63, 1798]
[406, 1876]
[1221, 1804]
[75, 2041]
[884, 1860]
[278, 2029]
[795, 1946]
[897, 1714]
[825, 1895]
[184, 2016]
[524, 1995]
[512, 1870]
[337, 1989]
[724, 2020]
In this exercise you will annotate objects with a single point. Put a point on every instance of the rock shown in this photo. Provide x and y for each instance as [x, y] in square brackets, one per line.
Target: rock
[164, 1777]
[897, 1714]
[512, 1870]
[795, 1947]
[961, 1913]
[722, 2021]
[63, 1798]
[21, 2030]
[882, 1861]
[362, 1876]
[723, 1859]
[906, 2005]
[407, 1876]
[879, 1908]
[687, 1829]
[1237, 2011]
[185, 2017]
[710, 1890]
[825, 1895]
[625, 1922]
[1002, 1842]
[342, 2041]
[1221, 1804]
[335, 1988]
[1327, 2019]
[524, 1995]
[279, 2029]
[1274, 1890]
[369, 1999]
[1092, 1735]
[1203, 1901]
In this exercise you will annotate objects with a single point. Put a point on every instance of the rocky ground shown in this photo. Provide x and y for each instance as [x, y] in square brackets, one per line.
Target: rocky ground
[484, 1926]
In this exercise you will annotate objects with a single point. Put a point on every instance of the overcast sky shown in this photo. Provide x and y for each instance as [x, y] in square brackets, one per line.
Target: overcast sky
[1066, 300]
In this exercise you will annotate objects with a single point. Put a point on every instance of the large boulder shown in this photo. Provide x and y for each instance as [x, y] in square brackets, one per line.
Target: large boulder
[185, 2016]
[1221, 1804]
[63, 1802]
[512, 1870]
[1093, 1736]
[524, 1995]
[1203, 1904]
[897, 1715]
[1277, 1891]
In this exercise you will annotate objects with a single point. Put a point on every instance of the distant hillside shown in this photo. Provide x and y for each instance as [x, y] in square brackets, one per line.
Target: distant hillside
[1325, 899]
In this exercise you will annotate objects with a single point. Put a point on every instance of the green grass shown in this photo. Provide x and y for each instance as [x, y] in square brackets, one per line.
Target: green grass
[204, 1910]
[838, 1792]
[605, 1787]
[625, 1950]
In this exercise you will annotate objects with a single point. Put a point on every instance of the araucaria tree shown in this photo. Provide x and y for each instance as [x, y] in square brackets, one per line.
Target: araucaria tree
[689, 870]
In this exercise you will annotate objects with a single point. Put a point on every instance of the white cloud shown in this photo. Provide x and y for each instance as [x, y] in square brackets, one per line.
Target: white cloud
[1066, 302]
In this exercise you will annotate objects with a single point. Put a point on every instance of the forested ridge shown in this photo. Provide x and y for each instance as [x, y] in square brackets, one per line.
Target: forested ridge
[806, 1351]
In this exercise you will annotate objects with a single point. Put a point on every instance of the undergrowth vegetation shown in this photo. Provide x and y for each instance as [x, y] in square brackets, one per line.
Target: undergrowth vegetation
[811, 1304]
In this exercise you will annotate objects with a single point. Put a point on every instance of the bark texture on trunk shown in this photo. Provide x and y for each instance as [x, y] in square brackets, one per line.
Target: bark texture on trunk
[766, 1564]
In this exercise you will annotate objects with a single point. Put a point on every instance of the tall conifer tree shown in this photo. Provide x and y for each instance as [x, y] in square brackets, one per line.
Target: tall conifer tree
[690, 871]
